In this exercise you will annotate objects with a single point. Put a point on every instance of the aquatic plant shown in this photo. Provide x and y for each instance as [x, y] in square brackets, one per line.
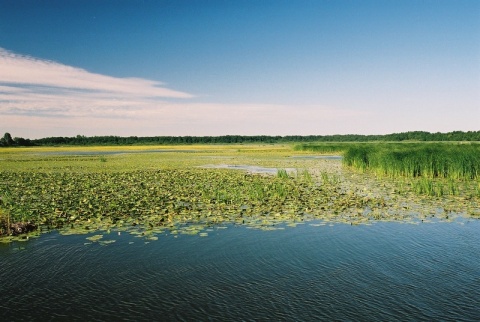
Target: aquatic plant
[323, 148]
[304, 175]
[4, 222]
[331, 179]
[459, 161]
[153, 193]
[282, 173]
[166, 198]
[433, 169]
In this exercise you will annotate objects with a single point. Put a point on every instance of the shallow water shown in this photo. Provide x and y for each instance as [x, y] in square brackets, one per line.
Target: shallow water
[106, 152]
[248, 168]
[387, 271]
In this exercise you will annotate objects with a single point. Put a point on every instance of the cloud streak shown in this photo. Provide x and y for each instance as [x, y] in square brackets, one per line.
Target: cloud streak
[17, 70]
[30, 86]
[41, 98]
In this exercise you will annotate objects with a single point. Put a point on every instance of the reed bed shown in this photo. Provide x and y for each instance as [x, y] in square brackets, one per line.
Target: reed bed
[411, 161]
[324, 148]
[434, 169]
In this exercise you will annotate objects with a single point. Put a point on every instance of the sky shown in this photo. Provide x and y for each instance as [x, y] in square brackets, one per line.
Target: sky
[240, 67]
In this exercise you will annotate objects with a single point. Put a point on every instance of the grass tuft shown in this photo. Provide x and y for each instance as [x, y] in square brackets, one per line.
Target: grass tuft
[282, 174]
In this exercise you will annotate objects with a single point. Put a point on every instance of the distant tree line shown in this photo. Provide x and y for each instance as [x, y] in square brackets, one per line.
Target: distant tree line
[7, 139]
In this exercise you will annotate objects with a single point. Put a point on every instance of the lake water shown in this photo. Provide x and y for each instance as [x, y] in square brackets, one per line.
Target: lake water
[386, 271]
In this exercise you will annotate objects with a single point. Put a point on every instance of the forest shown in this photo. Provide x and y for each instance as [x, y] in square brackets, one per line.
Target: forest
[79, 140]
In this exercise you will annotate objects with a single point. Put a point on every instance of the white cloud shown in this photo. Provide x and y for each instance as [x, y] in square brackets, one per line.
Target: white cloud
[41, 98]
[38, 76]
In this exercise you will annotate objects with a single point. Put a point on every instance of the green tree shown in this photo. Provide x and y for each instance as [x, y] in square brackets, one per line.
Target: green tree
[7, 140]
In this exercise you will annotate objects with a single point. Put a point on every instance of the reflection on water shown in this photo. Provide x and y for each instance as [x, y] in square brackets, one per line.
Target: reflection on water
[387, 271]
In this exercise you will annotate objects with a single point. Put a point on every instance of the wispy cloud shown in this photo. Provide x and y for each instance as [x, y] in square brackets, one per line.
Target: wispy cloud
[43, 98]
[25, 70]
[39, 86]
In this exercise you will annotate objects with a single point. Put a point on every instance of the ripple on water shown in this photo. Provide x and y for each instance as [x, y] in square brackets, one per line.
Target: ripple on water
[388, 271]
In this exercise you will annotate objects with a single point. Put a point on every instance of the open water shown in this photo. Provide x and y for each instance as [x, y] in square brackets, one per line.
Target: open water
[383, 272]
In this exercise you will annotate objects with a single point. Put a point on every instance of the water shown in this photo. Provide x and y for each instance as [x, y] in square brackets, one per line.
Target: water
[387, 271]
[248, 168]
[84, 153]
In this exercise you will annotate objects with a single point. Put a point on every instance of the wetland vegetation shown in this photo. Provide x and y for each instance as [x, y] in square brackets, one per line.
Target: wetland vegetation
[432, 169]
[147, 193]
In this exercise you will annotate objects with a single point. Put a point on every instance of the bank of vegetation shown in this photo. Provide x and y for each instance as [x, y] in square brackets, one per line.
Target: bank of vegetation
[411, 160]
[432, 161]
[428, 168]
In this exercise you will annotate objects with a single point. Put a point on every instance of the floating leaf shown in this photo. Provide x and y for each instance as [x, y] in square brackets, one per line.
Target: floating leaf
[106, 242]
[95, 238]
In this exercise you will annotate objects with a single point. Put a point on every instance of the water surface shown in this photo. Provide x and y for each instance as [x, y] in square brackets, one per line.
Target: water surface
[387, 271]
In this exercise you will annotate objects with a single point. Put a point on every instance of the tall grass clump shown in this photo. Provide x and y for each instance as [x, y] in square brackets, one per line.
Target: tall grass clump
[304, 175]
[359, 157]
[282, 174]
[417, 160]
[323, 148]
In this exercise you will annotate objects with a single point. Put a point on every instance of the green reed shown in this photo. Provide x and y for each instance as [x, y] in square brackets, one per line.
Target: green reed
[282, 174]
[449, 161]
[434, 169]
[323, 148]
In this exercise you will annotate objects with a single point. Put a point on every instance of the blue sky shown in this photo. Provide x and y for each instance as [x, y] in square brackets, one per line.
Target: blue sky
[238, 67]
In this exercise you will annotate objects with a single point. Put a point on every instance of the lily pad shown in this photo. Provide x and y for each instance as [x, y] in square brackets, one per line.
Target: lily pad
[95, 238]
[106, 242]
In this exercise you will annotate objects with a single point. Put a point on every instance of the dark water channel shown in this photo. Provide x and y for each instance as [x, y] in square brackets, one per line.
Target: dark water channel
[383, 272]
